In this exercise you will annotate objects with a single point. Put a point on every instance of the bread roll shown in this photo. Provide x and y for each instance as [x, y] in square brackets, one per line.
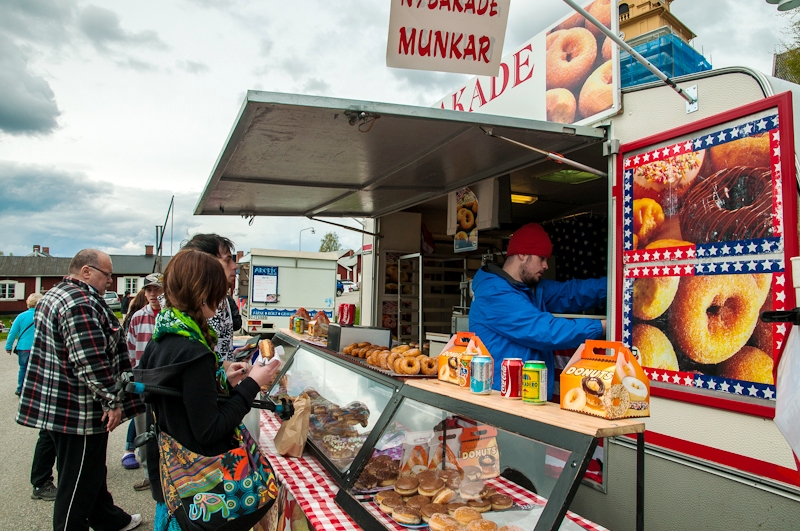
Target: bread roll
[266, 349]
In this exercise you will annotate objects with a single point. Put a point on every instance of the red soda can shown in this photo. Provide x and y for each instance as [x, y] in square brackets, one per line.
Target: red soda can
[511, 378]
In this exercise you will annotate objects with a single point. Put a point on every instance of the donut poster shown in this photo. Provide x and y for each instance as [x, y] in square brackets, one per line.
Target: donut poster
[568, 73]
[707, 228]
[466, 238]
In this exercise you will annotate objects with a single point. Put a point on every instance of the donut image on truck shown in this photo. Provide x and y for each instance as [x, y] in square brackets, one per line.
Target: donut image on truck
[690, 211]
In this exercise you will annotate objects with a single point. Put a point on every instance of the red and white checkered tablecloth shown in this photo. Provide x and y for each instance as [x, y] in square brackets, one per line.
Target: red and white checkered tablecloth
[315, 490]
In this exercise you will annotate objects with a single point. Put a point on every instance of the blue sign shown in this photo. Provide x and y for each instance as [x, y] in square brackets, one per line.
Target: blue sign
[276, 312]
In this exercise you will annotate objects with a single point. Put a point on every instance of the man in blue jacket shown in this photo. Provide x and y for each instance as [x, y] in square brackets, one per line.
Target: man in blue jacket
[512, 311]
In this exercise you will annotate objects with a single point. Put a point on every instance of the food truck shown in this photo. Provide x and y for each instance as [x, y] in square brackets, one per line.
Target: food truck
[691, 214]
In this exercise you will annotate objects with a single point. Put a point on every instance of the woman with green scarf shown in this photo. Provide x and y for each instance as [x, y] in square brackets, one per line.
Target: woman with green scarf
[182, 352]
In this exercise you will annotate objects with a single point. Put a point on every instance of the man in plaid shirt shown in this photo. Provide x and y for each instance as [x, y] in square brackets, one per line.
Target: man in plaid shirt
[140, 331]
[70, 390]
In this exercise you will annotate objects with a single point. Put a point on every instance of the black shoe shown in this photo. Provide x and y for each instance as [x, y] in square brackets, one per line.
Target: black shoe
[46, 493]
[17, 393]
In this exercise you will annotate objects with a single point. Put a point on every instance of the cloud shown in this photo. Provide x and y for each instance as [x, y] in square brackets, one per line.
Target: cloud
[27, 103]
[193, 67]
[316, 86]
[68, 212]
[102, 27]
[37, 20]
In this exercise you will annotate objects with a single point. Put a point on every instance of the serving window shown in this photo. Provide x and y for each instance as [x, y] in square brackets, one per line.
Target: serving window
[708, 222]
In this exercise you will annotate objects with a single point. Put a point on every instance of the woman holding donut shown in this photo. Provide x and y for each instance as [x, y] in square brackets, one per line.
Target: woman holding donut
[512, 305]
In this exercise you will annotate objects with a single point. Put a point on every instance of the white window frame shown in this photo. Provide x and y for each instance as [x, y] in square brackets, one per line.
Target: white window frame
[19, 290]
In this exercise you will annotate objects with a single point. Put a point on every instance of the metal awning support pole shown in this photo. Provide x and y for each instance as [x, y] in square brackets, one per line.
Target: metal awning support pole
[625, 46]
[549, 154]
[368, 233]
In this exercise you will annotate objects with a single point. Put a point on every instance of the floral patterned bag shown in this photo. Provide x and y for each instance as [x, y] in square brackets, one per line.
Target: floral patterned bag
[230, 491]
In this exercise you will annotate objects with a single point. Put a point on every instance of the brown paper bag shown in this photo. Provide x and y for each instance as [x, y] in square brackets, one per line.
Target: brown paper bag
[292, 435]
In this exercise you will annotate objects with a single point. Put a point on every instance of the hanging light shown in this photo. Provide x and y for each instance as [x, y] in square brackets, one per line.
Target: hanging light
[786, 5]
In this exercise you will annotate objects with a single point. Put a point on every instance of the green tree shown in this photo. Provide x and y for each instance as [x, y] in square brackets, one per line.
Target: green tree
[330, 242]
[787, 58]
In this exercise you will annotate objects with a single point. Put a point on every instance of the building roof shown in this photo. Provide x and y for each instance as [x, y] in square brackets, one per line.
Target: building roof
[49, 266]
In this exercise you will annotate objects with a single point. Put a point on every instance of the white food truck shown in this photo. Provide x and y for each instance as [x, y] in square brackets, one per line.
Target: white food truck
[274, 284]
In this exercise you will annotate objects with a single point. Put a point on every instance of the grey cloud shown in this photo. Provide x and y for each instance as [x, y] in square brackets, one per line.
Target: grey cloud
[193, 67]
[37, 20]
[427, 83]
[27, 103]
[316, 86]
[136, 64]
[103, 28]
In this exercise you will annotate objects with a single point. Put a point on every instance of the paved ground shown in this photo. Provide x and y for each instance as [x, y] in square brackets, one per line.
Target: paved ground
[18, 512]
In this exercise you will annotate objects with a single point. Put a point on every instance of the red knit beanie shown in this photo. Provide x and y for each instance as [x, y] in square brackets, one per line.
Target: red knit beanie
[530, 239]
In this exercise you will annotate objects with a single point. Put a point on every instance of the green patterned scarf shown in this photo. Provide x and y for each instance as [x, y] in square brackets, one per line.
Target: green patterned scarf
[173, 321]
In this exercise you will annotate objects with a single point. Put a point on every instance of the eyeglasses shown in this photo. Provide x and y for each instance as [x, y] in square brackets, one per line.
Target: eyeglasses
[109, 275]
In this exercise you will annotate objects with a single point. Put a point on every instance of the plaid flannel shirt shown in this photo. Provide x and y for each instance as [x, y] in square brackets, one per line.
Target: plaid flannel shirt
[140, 330]
[77, 357]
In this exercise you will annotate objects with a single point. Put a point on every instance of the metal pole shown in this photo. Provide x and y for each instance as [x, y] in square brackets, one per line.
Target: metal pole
[625, 46]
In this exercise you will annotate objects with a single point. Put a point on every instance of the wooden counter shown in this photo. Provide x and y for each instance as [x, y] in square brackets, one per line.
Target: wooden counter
[548, 413]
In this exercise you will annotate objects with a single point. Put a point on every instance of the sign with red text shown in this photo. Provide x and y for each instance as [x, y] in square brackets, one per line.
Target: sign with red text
[462, 36]
[569, 73]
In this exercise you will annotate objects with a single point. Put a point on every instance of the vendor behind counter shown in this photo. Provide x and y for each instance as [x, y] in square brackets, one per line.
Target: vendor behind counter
[512, 310]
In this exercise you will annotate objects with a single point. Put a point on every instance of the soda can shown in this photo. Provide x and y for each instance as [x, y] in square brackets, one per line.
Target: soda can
[299, 325]
[481, 375]
[464, 370]
[534, 382]
[511, 378]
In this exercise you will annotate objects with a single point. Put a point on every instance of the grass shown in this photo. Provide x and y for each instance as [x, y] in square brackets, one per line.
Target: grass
[7, 320]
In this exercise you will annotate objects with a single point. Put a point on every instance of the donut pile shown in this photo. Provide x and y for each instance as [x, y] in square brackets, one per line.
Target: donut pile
[442, 498]
[579, 67]
[380, 471]
[404, 360]
[334, 429]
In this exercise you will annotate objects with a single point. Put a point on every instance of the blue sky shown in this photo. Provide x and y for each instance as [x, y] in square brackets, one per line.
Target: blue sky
[109, 108]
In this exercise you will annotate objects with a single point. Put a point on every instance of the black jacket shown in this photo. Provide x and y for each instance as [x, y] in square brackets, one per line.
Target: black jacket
[196, 419]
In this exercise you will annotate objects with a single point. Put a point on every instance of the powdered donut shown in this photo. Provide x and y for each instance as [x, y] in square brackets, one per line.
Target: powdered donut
[749, 364]
[653, 295]
[713, 316]
[655, 348]
[597, 93]
[637, 390]
[570, 57]
[561, 106]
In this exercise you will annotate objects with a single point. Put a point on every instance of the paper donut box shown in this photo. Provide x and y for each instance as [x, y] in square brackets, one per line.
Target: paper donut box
[461, 345]
[479, 448]
[604, 379]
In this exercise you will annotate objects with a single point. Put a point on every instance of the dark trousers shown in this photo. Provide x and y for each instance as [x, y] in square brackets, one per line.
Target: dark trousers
[44, 459]
[82, 497]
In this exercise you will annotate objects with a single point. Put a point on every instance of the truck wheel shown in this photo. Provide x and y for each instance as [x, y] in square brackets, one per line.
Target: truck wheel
[339, 293]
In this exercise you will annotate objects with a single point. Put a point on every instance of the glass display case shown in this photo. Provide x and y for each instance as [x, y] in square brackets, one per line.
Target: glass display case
[369, 430]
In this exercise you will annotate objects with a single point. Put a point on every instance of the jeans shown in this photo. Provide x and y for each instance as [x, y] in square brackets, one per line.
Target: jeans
[23, 356]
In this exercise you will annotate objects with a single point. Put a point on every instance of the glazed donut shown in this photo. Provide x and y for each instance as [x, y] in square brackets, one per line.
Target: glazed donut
[430, 509]
[393, 357]
[648, 216]
[371, 359]
[400, 348]
[472, 490]
[385, 495]
[653, 295]
[561, 106]
[412, 352]
[396, 365]
[418, 501]
[713, 316]
[732, 204]
[383, 357]
[616, 400]
[466, 219]
[431, 488]
[464, 515]
[389, 504]
[444, 496]
[570, 56]
[364, 344]
[575, 399]
[750, 151]
[601, 10]
[637, 390]
[406, 486]
[482, 506]
[428, 366]
[409, 366]
[749, 364]
[597, 93]
[349, 348]
[655, 348]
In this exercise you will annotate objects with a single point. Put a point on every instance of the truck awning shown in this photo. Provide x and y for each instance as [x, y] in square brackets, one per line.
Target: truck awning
[296, 155]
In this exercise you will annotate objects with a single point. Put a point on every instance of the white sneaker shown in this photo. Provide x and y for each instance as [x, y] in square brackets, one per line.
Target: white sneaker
[136, 520]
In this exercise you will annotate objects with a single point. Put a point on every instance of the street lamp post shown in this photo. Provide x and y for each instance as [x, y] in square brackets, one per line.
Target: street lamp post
[300, 245]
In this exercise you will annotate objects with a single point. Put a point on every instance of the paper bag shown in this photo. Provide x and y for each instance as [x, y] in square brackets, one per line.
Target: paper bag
[291, 438]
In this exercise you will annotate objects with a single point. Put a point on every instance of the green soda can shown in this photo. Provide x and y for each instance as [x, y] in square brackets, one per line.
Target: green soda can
[534, 382]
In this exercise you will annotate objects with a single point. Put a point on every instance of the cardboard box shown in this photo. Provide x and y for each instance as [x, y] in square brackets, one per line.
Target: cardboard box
[604, 379]
[455, 357]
